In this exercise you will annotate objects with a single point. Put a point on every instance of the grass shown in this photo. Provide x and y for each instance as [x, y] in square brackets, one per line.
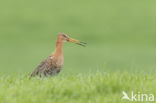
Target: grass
[88, 88]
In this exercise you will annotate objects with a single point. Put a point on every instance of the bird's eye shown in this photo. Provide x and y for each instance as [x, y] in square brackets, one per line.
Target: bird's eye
[64, 35]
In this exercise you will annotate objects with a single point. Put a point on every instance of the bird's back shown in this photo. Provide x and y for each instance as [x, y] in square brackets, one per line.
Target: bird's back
[47, 67]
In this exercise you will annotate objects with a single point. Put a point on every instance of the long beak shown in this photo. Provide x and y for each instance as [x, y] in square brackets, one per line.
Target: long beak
[76, 42]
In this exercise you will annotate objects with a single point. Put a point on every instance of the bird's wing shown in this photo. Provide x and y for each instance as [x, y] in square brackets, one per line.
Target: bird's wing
[41, 67]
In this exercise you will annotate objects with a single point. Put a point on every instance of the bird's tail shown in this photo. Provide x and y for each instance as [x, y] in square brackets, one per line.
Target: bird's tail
[32, 74]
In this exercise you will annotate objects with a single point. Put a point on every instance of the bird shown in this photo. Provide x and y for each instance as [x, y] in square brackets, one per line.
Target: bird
[52, 64]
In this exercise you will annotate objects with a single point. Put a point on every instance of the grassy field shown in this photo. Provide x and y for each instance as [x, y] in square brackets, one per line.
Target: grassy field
[120, 53]
[88, 88]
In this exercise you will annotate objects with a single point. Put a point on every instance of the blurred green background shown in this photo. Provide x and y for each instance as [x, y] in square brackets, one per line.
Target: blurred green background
[121, 34]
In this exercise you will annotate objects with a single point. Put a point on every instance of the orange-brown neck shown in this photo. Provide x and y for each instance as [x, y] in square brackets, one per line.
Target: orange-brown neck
[58, 50]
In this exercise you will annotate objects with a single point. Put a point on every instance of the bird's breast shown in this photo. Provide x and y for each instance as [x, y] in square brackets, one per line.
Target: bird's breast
[59, 61]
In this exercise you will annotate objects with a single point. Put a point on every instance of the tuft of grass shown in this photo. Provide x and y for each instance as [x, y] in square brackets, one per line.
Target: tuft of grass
[89, 88]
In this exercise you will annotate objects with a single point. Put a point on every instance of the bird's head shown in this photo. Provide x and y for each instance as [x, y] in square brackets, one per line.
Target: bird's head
[61, 37]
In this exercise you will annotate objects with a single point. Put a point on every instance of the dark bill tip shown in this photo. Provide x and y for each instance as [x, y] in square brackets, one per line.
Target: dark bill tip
[82, 44]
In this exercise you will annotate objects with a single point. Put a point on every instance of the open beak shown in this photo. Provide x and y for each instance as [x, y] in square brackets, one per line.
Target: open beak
[76, 42]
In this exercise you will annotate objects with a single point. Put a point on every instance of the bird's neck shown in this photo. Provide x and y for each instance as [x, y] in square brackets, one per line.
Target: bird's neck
[58, 50]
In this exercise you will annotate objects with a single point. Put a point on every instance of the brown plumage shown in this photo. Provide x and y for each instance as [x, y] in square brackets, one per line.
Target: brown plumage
[53, 63]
